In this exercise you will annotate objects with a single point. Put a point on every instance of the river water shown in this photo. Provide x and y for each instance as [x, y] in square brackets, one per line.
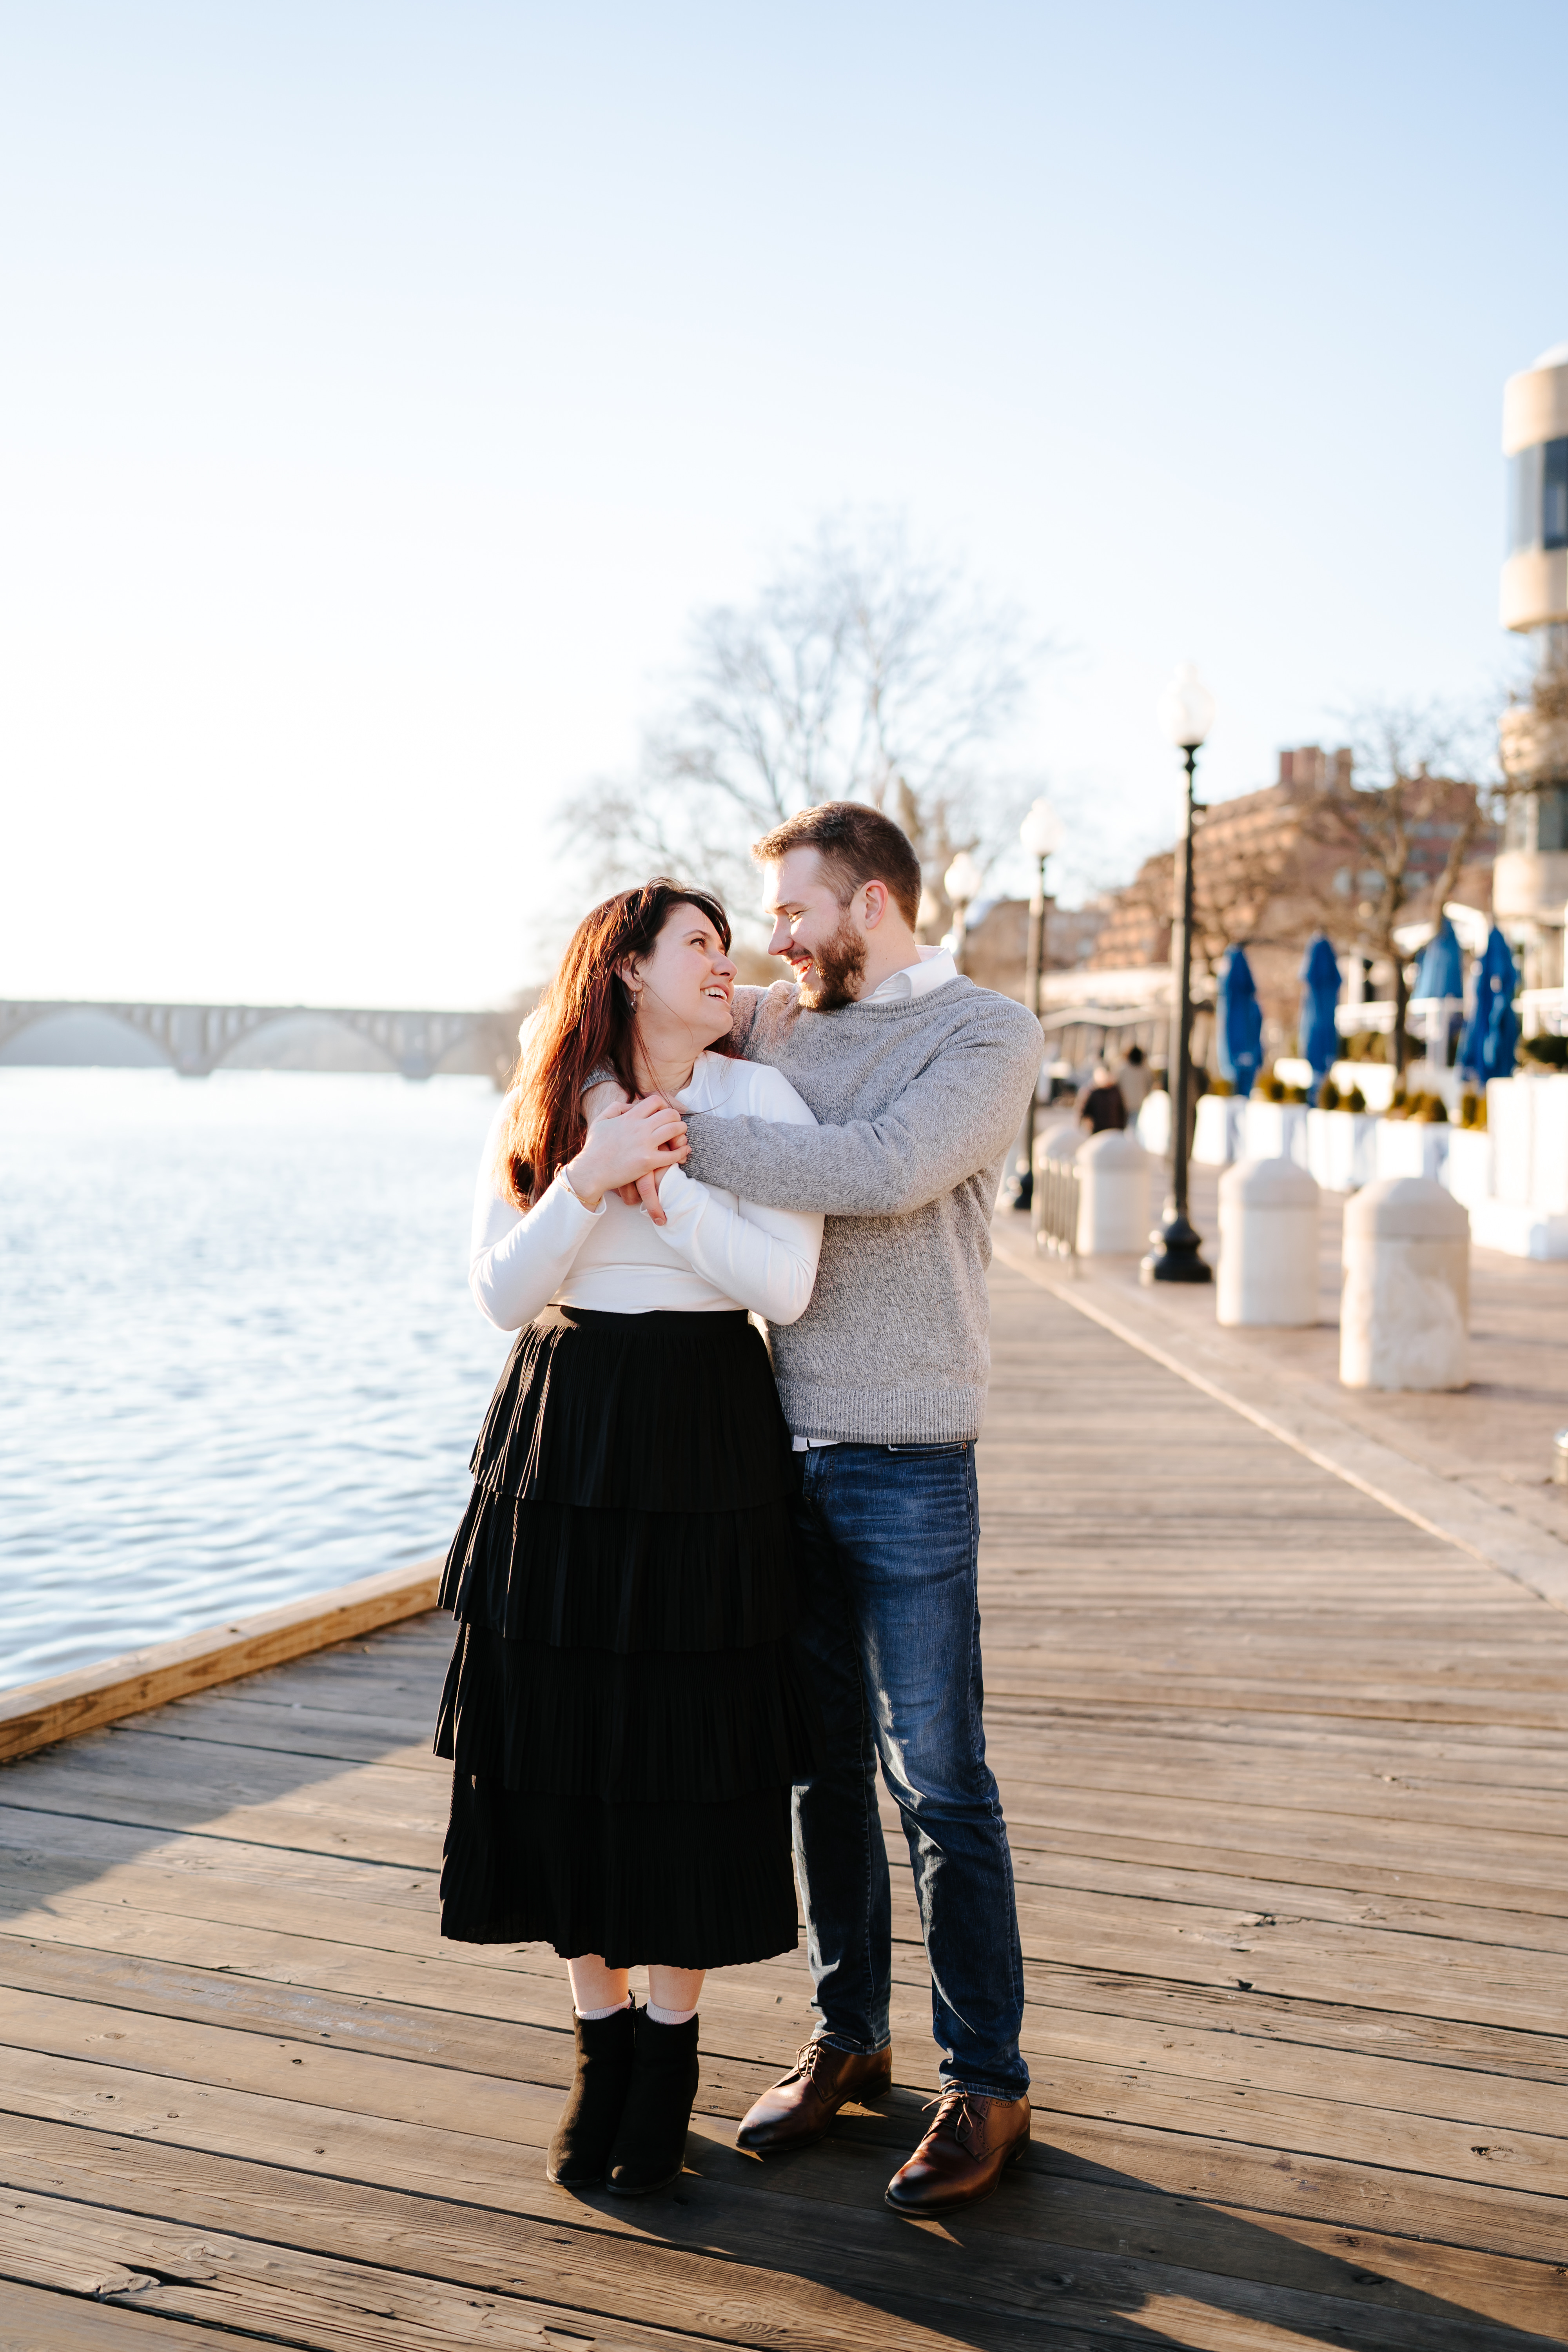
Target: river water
[239, 1360]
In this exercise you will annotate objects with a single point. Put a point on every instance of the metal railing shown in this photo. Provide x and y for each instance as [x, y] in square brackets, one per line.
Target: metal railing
[1055, 1206]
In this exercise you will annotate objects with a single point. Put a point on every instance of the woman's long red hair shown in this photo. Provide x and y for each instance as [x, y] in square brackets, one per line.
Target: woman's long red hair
[585, 1023]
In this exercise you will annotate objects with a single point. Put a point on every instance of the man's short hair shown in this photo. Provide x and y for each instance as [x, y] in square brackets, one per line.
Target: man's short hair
[856, 845]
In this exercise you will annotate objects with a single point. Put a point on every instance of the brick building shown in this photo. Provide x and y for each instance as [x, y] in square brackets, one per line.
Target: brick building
[1272, 867]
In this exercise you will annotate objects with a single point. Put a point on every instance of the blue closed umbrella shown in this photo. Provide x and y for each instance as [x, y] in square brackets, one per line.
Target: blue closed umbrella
[1239, 1025]
[1319, 995]
[1441, 973]
[1502, 1032]
[1491, 1033]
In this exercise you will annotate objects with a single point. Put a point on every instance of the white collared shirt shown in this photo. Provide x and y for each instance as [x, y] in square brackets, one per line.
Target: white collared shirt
[935, 969]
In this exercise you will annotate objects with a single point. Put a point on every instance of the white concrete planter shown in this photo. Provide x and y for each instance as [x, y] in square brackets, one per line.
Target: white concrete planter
[1115, 1216]
[1510, 1123]
[1468, 1170]
[1410, 1148]
[1376, 1080]
[1549, 1144]
[1341, 1148]
[1268, 1246]
[1217, 1140]
[1518, 1230]
[1274, 1131]
[1154, 1124]
[1404, 1311]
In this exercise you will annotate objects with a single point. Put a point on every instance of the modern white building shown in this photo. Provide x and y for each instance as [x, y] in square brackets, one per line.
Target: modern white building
[1531, 880]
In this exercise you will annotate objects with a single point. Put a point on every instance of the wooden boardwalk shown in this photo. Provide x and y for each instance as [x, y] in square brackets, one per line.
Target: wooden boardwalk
[1285, 1780]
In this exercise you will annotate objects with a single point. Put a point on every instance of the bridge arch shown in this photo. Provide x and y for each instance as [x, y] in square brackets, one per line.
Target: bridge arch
[76, 1036]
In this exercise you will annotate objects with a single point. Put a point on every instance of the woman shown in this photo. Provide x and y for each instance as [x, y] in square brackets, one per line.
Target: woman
[623, 1710]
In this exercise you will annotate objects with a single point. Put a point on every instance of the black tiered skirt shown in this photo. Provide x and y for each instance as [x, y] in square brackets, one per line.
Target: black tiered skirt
[624, 1710]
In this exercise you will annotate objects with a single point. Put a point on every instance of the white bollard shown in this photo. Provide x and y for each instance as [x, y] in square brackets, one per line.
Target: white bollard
[1057, 1138]
[1404, 1311]
[1113, 1215]
[1267, 1245]
[1154, 1123]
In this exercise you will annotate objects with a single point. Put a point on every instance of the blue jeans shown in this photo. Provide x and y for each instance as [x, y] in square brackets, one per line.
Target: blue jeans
[888, 1538]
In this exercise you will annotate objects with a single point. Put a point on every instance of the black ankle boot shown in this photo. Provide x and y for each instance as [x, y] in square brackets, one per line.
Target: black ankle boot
[650, 2142]
[580, 2150]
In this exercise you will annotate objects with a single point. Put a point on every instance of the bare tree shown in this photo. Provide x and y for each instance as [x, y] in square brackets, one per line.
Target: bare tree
[1417, 767]
[861, 671]
[1237, 884]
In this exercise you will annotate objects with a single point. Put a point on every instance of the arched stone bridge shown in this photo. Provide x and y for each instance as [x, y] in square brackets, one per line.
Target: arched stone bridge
[196, 1039]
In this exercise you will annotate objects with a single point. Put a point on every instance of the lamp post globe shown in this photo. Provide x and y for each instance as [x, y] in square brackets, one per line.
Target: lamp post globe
[1042, 832]
[1186, 713]
[1039, 836]
[962, 882]
[1185, 709]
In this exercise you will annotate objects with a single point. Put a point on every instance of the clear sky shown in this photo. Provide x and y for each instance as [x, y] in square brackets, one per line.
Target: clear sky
[384, 385]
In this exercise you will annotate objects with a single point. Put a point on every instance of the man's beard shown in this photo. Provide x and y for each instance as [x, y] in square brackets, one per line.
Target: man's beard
[840, 967]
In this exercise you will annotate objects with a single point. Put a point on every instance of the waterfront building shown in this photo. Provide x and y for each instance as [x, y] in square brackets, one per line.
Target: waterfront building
[1531, 878]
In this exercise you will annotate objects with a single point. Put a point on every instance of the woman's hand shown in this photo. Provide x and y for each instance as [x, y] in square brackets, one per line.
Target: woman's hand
[625, 1142]
[644, 1194]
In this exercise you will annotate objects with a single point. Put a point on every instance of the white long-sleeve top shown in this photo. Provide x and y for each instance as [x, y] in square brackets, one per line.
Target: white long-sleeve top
[716, 1252]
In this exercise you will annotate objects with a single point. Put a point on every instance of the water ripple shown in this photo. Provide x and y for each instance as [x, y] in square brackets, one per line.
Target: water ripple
[239, 1360]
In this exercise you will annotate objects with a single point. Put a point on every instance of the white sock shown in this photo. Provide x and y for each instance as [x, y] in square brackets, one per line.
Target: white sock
[592, 2016]
[669, 2016]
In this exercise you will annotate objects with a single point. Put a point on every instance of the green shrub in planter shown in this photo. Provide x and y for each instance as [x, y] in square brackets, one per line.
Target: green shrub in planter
[1219, 1085]
[1472, 1110]
[1552, 1052]
[1355, 1101]
[1398, 1105]
[1271, 1089]
[1294, 1095]
[1433, 1111]
[1328, 1095]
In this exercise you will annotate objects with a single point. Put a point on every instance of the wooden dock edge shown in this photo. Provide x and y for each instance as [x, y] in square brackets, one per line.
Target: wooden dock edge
[1302, 1415]
[38, 1714]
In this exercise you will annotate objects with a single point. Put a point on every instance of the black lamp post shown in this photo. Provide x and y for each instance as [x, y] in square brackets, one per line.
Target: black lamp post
[1186, 714]
[1039, 835]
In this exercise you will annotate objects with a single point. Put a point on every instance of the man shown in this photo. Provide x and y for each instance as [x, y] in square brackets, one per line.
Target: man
[919, 1080]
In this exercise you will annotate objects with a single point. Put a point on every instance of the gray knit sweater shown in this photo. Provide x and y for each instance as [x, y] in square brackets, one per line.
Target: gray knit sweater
[918, 1099]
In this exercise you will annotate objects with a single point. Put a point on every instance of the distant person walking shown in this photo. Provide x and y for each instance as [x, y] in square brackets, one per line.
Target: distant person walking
[1133, 1080]
[625, 1708]
[1100, 1104]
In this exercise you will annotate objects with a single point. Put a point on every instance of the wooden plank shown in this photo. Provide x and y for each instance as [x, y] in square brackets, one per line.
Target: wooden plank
[34, 2319]
[1061, 2208]
[1356, 2107]
[741, 2005]
[255, 2289]
[37, 1715]
[792, 2289]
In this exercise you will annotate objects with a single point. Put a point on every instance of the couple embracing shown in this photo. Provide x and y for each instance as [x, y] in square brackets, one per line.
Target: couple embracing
[706, 1582]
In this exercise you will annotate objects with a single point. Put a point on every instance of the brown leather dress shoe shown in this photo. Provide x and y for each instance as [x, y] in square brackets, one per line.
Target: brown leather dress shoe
[964, 2155]
[801, 2106]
